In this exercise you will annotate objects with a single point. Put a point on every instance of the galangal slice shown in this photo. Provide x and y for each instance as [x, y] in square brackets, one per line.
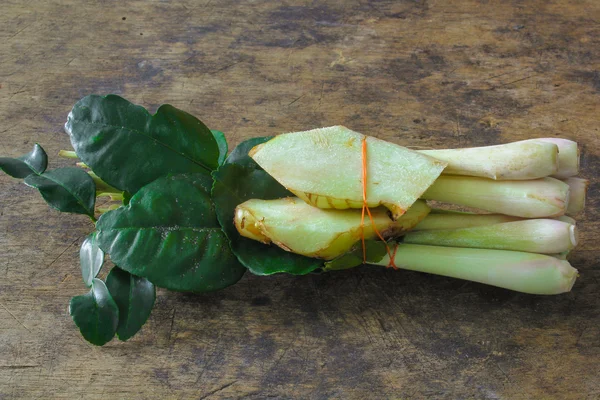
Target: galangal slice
[324, 167]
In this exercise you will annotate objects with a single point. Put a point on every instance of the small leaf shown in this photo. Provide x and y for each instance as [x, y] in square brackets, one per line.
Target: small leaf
[96, 314]
[235, 184]
[375, 251]
[129, 148]
[135, 298]
[169, 234]
[240, 156]
[66, 189]
[91, 258]
[35, 161]
[222, 143]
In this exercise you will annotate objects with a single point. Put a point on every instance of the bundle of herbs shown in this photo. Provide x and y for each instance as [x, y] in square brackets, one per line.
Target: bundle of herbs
[187, 215]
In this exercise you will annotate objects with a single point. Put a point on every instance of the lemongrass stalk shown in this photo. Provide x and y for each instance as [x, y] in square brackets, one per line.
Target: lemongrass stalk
[67, 154]
[82, 165]
[546, 236]
[539, 198]
[454, 221]
[578, 189]
[445, 211]
[514, 270]
[568, 156]
[512, 161]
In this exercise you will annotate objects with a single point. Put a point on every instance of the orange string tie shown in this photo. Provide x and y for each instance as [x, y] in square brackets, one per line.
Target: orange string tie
[366, 207]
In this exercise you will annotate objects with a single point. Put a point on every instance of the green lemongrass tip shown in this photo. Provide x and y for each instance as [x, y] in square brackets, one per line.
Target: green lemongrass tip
[67, 154]
[512, 161]
[578, 190]
[113, 196]
[514, 270]
[568, 156]
[454, 221]
[539, 198]
[547, 236]
[102, 210]
[82, 165]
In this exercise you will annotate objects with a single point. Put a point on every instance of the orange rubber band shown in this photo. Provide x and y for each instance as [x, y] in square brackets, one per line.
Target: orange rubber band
[366, 207]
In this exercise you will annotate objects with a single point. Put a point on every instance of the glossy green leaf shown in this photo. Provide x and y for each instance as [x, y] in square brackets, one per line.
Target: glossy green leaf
[240, 156]
[66, 189]
[135, 298]
[169, 234]
[91, 258]
[375, 250]
[129, 148]
[222, 143]
[235, 184]
[95, 314]
[35, 161]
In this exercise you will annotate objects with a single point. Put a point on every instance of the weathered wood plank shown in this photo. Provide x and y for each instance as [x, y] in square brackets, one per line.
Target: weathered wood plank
[419, 73]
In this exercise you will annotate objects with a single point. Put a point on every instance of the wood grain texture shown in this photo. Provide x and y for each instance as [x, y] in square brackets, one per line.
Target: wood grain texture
[419, 73]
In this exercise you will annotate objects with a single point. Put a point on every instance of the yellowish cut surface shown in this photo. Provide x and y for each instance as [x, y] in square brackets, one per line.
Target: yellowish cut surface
[301, 228]
[324, 168]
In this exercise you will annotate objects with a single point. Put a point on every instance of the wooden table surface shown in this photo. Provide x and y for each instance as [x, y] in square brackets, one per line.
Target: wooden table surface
[420, 73]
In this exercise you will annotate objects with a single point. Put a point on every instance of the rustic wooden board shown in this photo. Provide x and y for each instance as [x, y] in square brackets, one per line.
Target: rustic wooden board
[419, 73]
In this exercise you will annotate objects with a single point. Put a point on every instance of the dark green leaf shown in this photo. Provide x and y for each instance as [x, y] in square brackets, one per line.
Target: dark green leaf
[96, 314]
[169, 233]
[66, 189]
[375, 251]
[91, 258]
[35, 161]
[235, 184]
[222, 143]
[129, 148]
[135, 298]
[126, 198]
[240, 156]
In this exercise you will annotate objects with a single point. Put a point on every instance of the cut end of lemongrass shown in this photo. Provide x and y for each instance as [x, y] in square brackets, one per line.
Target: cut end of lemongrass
[67, 154]
[82, 165]
[577, 193]
[574, 235]
[521, 160]
[566, 218]
[568, 156]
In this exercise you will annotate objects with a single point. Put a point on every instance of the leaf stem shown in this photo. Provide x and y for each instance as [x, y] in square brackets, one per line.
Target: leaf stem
[113, 196]
[68, 154]
[102, 210]
[102, 186]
